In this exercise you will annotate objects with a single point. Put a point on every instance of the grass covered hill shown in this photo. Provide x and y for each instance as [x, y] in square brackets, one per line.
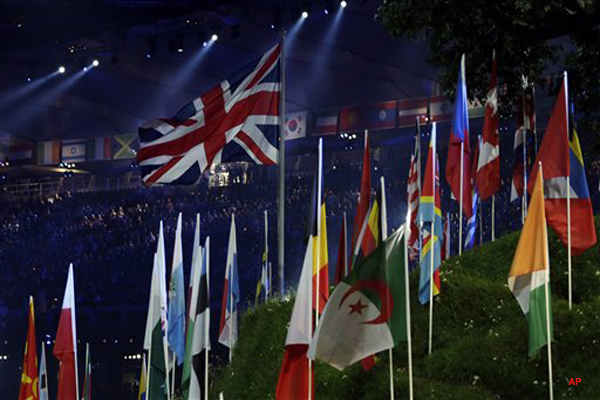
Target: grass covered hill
[480, 339]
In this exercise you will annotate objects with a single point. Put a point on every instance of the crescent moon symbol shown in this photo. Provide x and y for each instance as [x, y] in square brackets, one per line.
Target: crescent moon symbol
[382, 290]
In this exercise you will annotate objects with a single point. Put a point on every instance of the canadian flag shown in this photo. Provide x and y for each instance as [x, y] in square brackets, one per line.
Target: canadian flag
[65, 348]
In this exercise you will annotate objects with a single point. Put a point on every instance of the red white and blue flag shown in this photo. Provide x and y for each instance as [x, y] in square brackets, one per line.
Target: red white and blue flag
[459, 148]
[414, 193]
[564, 170]
[238, 120]
[326, 122]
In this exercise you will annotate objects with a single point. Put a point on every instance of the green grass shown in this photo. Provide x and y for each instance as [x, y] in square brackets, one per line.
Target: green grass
[480, 339]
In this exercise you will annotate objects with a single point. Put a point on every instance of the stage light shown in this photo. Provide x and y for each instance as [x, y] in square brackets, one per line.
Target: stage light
[85, 68]
[148, 55]
[326, 11]
[95, 63]
[205, 44]
[61, 70]
[343, 4]
[214, 37]
[28, 79]
[304, 14]
[180, 50]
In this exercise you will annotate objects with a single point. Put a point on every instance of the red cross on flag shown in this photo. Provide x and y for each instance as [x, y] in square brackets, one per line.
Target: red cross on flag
[238, 120]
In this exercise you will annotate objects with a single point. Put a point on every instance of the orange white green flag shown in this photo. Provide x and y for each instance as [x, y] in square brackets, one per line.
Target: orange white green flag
[529, 274]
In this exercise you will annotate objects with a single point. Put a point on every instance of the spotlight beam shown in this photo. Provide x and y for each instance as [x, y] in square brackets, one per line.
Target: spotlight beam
[182, 78]
[22, 91]
[28, 112]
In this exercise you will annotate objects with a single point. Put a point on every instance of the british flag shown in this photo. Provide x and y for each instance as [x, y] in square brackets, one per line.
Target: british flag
[238, 120]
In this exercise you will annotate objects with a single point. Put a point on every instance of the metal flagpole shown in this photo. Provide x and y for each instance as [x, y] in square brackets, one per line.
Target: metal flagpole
[568, 200]
[173, 375]
[265, 266]
[460, 201]
[493, 217]
[407, 301]
[432, 236]
[281, 185]
[231, 285]
[345, 246]
[318, 244]
[148, 369]
[480, 222]
[207, 319]
[524, 158]
[548, 331]
[419, 180]
[383, 237]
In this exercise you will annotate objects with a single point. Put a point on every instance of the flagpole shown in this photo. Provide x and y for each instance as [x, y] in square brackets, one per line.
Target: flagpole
[87, 355]
[231, 319]
[460, 202]
[173, 374]
[432, 234]
[318, 244]
[480, 208]
[383, 237]
[266, 253]
[524, 158]
[493, 217]
[207, 318]
[547, 295]
[418, 163]
[568, 197]
[407, 301]
[281, 186]
[345, 246]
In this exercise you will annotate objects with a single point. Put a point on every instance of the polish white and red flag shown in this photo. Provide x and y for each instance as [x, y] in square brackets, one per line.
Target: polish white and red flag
[65, 347]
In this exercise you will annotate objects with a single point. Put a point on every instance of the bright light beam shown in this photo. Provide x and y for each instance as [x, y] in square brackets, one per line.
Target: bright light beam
[28, 112]
[22, 91]
[176, 85]
[324, 54]
[292, 33]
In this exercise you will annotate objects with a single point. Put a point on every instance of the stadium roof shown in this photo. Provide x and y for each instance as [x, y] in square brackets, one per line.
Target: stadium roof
[142, 75]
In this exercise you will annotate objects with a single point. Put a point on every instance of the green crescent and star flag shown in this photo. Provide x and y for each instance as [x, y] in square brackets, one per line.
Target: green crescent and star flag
[366, 313]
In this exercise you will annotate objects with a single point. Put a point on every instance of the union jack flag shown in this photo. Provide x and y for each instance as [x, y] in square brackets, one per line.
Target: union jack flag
[238, 120]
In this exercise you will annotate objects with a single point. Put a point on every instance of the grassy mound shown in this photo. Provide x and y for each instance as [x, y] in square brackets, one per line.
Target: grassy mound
[480, 339]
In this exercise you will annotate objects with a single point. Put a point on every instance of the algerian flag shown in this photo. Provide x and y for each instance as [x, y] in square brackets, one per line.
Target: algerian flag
[529, 274]
[367, 311]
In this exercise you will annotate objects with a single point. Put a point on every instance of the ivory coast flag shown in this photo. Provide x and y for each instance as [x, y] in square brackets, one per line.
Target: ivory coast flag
[367, 311]
[529, 274]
